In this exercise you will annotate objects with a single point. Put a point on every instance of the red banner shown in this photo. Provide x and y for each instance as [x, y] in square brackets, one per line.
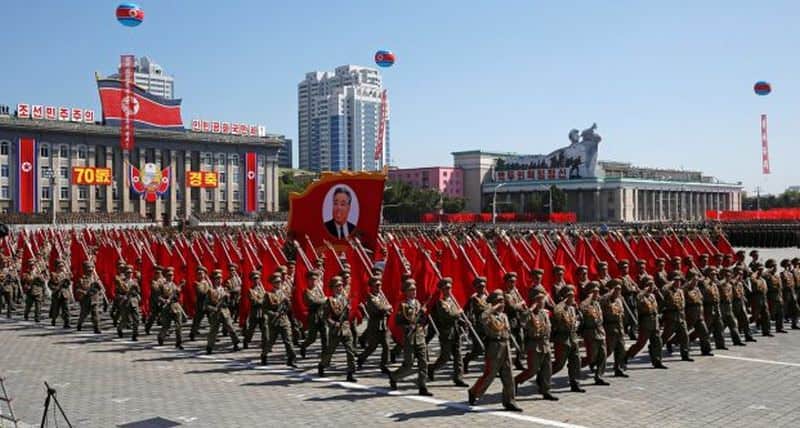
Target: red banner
[127, 102]
[251, 182]
[202, 179]
[27, 175]
[339, 206]
[89, 175]
[764, 146]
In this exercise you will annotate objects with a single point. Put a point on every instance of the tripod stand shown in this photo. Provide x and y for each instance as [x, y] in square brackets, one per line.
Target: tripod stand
[51, 393]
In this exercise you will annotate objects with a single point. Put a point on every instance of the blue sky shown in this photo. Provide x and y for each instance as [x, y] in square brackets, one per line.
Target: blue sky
[669, 85]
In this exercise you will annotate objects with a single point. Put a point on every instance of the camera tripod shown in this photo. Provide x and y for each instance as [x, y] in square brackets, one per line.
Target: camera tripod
[51, 393]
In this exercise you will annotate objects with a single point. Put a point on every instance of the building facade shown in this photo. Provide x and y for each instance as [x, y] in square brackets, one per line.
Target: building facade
[596, 191]
[285, 154]
[63, 146]
[152, 78]
[446, 180]
[340, 118]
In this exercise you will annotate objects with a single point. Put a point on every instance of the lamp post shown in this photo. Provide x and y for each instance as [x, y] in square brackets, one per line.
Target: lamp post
[494, 202]
[48, 173]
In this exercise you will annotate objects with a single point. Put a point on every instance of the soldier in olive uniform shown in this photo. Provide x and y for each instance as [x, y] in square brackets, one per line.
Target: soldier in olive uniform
[602, 276]
[613, 321]
[594, 333]
[796, 272]
[726, 294]
[582, 273]
[758, 299]
[34, 284]
[661, 276]
[256, 317]
[337, 317]
[675, 315]
[377, 333]
[316, 300]
[202, 287]
[514, 306]
[7, 286]
[739, 303]
[92, 296]
[61, 293]
[694, 313]
[537, 346]
[647, 307]
[129, 312]
[156, 286]
[448, 317]
[629, 292]
[791, 310]
[276, 307]
[233, 286]
[498, 354]
[565, 338]
[558, 283]
[171, 309]
[411, 317]
[219, 314]
[774, 294]
[476, 305]
[641, 274]
[116, 303]
[711, 306]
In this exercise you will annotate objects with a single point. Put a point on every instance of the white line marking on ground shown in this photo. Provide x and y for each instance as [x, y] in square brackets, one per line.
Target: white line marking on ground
[757, 407]
[756, 360]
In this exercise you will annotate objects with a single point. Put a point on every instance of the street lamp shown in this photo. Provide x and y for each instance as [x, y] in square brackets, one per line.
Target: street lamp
[494, 202]
[50, 174]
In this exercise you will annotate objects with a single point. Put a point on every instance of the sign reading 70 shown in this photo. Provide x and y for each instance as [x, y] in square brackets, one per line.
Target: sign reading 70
[88, 175]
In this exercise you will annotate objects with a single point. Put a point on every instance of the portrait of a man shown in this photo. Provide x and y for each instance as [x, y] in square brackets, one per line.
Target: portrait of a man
[340, 225]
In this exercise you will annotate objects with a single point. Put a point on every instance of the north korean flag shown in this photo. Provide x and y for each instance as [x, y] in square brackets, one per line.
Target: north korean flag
[149, 111]
[251, 182]
[26, 167]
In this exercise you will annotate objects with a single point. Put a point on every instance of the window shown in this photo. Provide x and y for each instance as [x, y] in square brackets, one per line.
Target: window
[235, 195]
[44, 151]
[64, 172]
[83, 193]
[261, 195]
[222, 177]
[3, 170]
[99, 192]
[234, 159]
[221, 160]
[64, 151]
[223, 196]
[64, 193]
[209, 194]
[4, 192]
[45, 193]
[4, 148]
[81, 152]
[207, 158]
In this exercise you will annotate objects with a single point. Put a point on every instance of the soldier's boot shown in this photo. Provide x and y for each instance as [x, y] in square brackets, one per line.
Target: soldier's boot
[601, 382]
[423, 391]
[749, 338]
[430, 374]
[360, 363]
[549, 397]
[574, 387]
[705, 350]
[209, 350]
[620, 373]
[320, 371]
[160, 340]
[263, 359]
[119, 333]
[392, 383]
[351, 378]
[465, 364]
[302, 351]
[511, 407]
[236, 347]
[659, 365]
[291, 363]
[178, 344]
[685, 356]
[460, 382]
[471, 398]
[53, 322]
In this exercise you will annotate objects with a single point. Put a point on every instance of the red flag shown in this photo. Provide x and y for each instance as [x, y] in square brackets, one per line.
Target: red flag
[27, 173]
[251, 182]
[299, 308]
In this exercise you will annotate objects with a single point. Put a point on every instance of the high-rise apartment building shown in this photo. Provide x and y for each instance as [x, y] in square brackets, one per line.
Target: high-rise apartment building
[152, 78]
[339, 120]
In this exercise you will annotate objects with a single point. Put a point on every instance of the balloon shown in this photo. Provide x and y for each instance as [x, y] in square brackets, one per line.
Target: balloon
[130, 14]
[762, 88]
[384, 58]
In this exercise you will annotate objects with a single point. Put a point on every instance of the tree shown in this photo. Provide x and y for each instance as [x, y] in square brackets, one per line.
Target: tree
[788, 199]
[559, 199]
[403, 203]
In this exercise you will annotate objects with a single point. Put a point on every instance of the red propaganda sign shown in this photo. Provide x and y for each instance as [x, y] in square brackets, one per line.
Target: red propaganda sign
[27, 156]
[337, 207]
[87, 176]
[127, 102]
[764, 146]
[202, 179]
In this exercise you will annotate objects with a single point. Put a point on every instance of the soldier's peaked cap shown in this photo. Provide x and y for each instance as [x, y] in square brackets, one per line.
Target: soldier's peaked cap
[509, 275]
[409, 284]
[495, 296]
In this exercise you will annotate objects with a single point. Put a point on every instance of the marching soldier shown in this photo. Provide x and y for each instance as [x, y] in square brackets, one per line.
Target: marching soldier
[156, 286]
[758, 299]
[202, 287]
[641, 273]
[412, 318]
[276, 307]
[129, 312]
[315, 299]
[378, 309]
[34, 284]
[796, 272]
[594, 334]
[558, 283]
[256, 317]
[61, 293]
[537, 347]
[613, 321]
[287, 285]
[114, 313]
[694, 313]
[647, 306]
[92, 295]
[337, 316]
[791, 309]
[582, 272]
[774, 294]
[514, 305]
[476, 305]
[754, 260]
[602, 276]
[7, 286]
[711, 306]
[675, 327]
[726, 304]
[219, 315]
[16, 275]
[447, 315]
[629, 292]
[171, 309]
[233, 286]
[565, 338]
[739, 303]
[498, 354]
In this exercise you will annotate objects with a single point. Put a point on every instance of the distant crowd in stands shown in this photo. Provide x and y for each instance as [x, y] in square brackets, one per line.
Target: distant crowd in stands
[134, 217]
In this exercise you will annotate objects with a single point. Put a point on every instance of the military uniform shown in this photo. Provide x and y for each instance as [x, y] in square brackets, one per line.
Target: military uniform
[8, 284]
[219, 315]
[695, 319]
[256, 318]
[629, 292]
[377, 333]
[675, 316]
[411, 317]
[774, 295]
[447, 315]
[739, 305]
[791, 309]
[514, 306]
[156, 288]
[647, 308]
[565, 340]
[276, 307]
[202, 287]
[117, 302]
[758, 301]
[476, 305]
[129, 311]
[171, 310]
[594, 333]
[34, 285]
[538, 350]
[315, 300]
[61, 294]
[726, 296]
[92, 296]
[337, 317]
[233, 286]
[613, 321]
[498, 355]
[711, 308]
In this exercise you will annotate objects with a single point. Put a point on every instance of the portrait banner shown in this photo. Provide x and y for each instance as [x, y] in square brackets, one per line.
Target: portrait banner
[337, 207]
